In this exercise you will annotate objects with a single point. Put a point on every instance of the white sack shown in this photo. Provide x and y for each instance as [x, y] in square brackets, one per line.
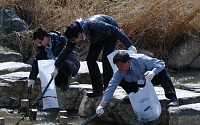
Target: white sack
[50, 97]
[145, 103]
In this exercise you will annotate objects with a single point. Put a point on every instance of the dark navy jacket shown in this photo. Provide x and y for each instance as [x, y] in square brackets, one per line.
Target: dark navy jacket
[58, 41]
[98, 27]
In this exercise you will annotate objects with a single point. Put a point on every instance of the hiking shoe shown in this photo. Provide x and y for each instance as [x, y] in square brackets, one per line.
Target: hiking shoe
[174, 102]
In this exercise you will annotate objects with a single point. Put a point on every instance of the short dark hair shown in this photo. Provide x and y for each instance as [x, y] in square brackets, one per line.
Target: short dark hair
[40, 33]
[72, 30]
[121, 56]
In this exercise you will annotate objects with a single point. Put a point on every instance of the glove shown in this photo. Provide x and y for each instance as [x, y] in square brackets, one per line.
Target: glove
[132, 48]
[100, 110]
[149, 75]
[31, 82]
[54, 73]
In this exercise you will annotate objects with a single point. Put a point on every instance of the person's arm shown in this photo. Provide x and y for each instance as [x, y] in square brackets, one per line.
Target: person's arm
[107, 29]
[153, 66]
[114, 82]
[64, 54]
[41, 54]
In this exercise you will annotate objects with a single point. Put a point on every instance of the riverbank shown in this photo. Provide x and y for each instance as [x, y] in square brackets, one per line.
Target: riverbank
[14, 86]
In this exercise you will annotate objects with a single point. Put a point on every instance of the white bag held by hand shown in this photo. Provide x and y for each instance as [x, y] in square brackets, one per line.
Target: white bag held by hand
[50, 97]
[145, 103]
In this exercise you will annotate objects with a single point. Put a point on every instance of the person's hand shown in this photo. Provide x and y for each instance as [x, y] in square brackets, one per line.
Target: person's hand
[100, 110]
[31, 82]
[132, 48]
[149, 75]
[54, 73]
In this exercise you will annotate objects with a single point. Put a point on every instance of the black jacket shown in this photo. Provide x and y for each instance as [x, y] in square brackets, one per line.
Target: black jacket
[99, 27]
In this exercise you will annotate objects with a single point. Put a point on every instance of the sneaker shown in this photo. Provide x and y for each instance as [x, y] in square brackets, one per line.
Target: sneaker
[174, 102]
[94, 94]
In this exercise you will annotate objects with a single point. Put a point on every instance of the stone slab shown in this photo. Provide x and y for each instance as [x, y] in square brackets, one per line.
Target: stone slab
[185, 115]
[9, 67]
[191, 87]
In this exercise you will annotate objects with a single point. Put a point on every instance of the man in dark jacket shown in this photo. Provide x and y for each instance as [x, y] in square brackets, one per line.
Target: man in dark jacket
[50, 46]
[102, 32]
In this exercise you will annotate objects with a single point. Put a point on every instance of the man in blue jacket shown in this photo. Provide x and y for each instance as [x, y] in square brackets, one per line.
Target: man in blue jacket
[102, 32]
[50, 46]
[131, 71]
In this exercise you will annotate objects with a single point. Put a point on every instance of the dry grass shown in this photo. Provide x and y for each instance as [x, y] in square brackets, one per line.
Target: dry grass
[154, 25]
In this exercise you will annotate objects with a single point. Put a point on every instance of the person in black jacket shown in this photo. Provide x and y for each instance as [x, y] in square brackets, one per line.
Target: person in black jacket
[102, 32]
[50, 46]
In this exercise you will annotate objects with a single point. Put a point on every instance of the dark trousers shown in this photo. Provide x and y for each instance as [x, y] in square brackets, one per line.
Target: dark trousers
[163, 79]
[108, 46]
[62, 77]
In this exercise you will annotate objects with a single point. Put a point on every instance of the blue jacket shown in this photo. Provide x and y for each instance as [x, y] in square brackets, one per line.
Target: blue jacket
[99, 27]
[140, 63]
[58, 41]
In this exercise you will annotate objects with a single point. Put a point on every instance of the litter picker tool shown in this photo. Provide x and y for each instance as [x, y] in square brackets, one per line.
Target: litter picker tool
[89, 119]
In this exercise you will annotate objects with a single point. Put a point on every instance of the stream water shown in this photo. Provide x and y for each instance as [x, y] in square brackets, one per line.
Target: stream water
[44, 118]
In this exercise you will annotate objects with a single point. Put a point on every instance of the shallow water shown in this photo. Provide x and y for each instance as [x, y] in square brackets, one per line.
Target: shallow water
[44, 118]
[185, 76]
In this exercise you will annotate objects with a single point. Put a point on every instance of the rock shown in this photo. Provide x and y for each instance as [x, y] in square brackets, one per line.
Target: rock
[185, 114]
[10, 22]
[182, 56]
[8, 67]
[191, 87]
[15, 85]
[195, 63]
[83, 73]
[122, 112]
[13, 88]
[10, 56]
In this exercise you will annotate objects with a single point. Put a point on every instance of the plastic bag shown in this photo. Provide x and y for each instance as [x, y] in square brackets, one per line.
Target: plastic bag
[50, 97]
[145, 103]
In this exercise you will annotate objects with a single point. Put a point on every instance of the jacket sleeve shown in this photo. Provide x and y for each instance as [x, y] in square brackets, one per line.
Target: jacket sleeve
[64, 54]
[100, 27]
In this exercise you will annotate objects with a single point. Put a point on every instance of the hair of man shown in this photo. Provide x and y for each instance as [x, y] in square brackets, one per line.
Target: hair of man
[121, 56]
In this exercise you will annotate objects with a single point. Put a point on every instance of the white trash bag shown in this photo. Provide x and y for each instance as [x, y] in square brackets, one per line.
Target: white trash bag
[50, 97]
[145, 103]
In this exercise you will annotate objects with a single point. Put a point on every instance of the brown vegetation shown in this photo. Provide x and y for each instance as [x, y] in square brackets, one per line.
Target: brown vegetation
[154, 25]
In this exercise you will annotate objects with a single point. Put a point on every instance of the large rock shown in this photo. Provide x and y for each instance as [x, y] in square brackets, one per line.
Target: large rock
[184, 55]
[195, 63]
[8, 67]
[10, 56]
[185, 115]
[10, 22]
[191, 87]
[83, 73]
